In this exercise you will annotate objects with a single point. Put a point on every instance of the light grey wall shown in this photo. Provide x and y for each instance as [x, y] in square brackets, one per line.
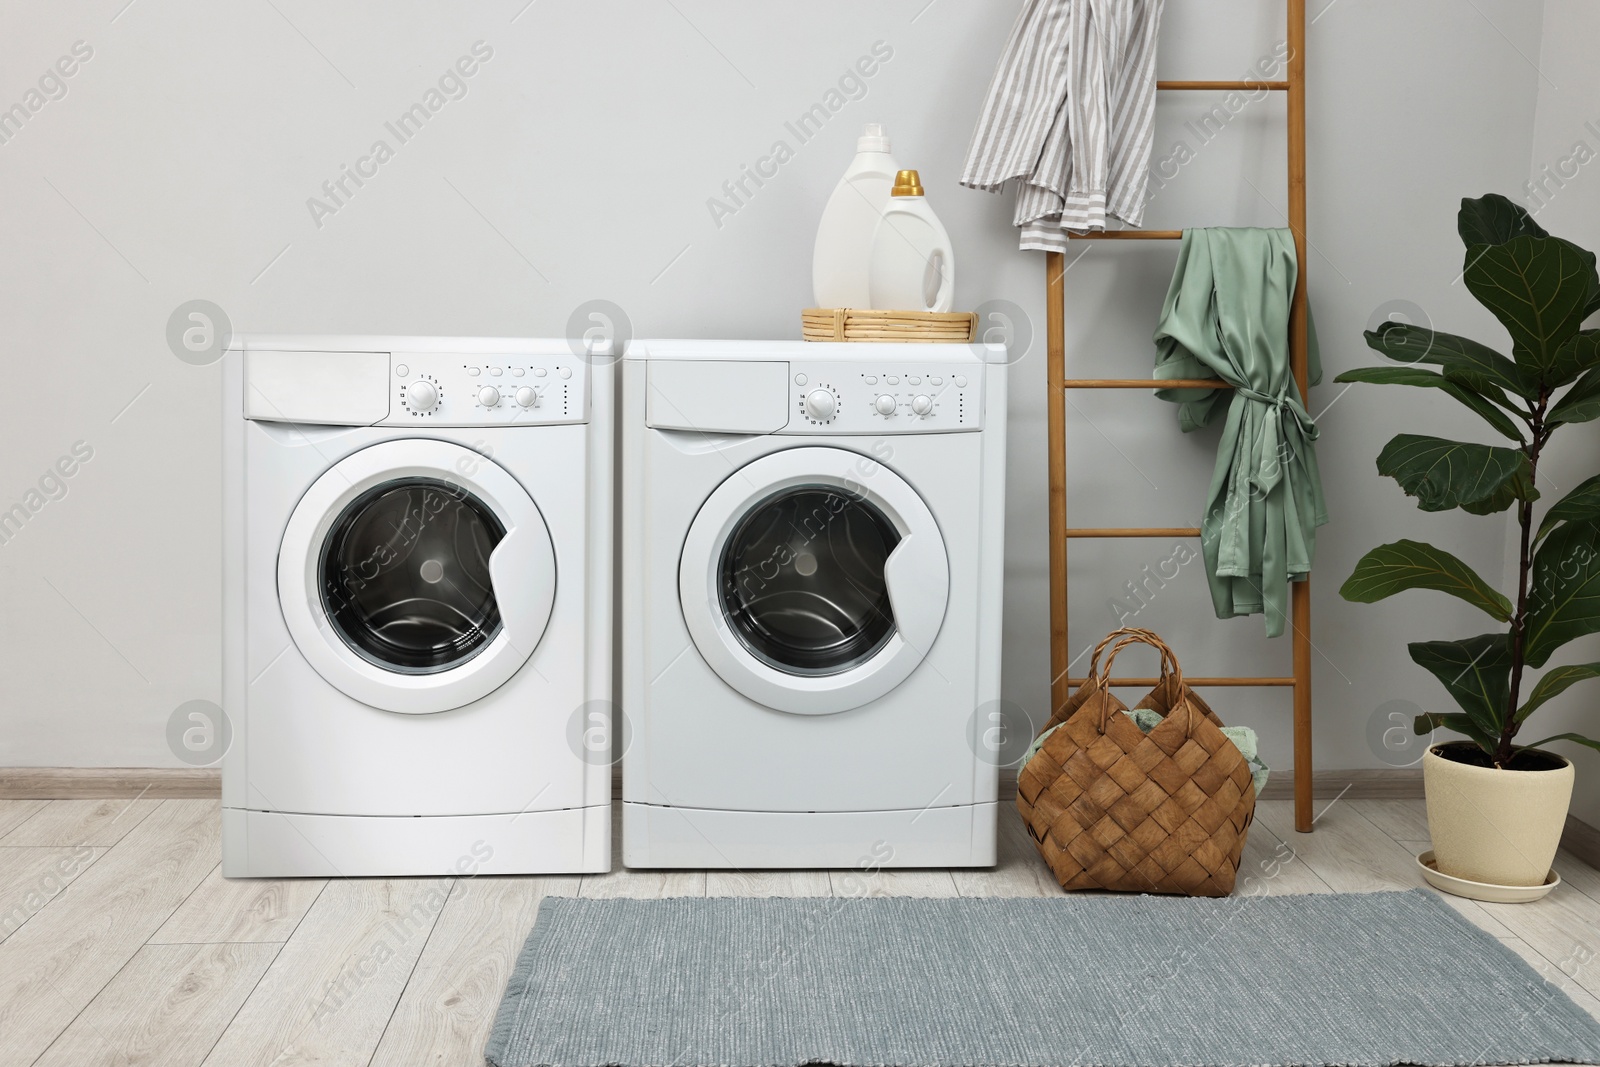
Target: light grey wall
[579, 165]
[1566, 140]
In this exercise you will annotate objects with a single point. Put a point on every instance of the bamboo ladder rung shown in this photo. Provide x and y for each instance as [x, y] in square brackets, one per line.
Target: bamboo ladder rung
[1145, 383]
[1128, 235]
[1145, 683]
[1135, 531]
[1244, 86]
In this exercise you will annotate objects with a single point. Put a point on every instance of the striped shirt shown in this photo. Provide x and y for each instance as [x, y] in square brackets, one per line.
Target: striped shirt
[1071, 115]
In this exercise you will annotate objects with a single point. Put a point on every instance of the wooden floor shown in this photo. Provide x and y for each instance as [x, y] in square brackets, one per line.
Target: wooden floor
[121, 943]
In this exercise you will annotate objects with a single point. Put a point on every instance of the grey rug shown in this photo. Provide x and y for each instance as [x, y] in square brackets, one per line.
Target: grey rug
[1382, 978]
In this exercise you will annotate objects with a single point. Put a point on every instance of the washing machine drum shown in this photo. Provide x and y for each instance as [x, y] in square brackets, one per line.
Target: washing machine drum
[416, 576]
[405, 576]
[814, 580]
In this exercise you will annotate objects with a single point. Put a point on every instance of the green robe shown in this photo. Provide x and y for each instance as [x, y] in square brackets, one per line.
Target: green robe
[1227, 316]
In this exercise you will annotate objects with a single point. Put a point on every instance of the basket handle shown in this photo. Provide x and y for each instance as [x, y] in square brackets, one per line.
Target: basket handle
[1170, 668]
[1115, 635]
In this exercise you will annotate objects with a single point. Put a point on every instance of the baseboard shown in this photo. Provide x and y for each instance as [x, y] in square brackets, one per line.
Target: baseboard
[1368, 784]
[1582, 840]
[1404, 783]
[93, 783]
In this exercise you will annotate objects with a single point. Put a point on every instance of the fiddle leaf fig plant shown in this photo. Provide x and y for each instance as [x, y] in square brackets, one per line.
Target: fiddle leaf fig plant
[1541, 288]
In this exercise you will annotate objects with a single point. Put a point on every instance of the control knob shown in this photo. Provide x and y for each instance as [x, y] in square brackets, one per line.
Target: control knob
[884, 404]
[821, 404]
[488, 396]
[527, 397]
[422, 396]
[922, 404]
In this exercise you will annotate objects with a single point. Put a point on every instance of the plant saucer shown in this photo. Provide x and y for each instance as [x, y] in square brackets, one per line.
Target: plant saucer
[1495, 894]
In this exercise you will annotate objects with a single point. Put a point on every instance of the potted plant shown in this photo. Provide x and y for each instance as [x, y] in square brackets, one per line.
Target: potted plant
[1496, 807]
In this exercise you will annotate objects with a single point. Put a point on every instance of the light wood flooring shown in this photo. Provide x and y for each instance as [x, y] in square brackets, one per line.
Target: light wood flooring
[121, 944]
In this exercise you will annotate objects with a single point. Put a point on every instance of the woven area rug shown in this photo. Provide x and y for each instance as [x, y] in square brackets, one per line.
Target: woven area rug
[1382, 979]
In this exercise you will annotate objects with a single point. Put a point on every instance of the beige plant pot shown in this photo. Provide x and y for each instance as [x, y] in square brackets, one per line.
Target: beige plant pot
[1497, 827]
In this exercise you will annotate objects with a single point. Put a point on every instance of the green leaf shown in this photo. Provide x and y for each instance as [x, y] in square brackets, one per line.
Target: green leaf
[1428, 722]
[1556, 682]
[1580, 505]
[1539, 288]
[1494, 220]
[1463, 359]
[1393, 568]
[1581, 355]
[1564, 601]
[1481, 479]
[1477, 673]
[1579, 738]
[1430, 379]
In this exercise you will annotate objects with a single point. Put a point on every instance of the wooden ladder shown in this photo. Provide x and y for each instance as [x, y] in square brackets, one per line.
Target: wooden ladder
[1300, 615]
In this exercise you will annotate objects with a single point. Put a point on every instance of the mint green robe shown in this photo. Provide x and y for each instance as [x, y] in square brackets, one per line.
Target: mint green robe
[1227, 316]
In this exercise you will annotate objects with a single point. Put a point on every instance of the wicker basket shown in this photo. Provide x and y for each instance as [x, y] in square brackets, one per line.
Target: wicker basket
[851, 324]
[1112, 807]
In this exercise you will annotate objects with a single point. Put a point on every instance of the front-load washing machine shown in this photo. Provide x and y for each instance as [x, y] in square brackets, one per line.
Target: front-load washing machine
[416, 616]
[812, 554]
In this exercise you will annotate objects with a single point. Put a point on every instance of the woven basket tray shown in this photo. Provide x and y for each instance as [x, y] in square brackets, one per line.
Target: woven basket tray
[850, 324]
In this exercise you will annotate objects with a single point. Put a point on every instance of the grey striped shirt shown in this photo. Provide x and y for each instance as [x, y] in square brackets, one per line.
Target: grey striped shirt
[1071, 115]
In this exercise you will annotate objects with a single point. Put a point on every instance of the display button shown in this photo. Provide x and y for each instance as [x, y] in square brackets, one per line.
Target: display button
[401, 370]
[800, 379]
[885, 404]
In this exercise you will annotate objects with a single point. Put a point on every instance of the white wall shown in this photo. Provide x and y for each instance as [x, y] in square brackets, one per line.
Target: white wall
[579, 166]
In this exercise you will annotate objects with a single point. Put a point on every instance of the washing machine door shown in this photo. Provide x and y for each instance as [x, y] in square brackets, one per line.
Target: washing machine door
[416, 576]
[814, 580]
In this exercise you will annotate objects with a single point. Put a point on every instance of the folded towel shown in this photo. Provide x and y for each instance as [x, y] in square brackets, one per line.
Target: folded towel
[1070, 114]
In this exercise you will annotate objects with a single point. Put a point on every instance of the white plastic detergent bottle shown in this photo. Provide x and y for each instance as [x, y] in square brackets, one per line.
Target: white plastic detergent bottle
[912, 266]
[844, 236]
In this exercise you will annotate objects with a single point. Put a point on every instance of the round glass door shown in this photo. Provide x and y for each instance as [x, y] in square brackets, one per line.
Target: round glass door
[416, 576]
[803, 584]
[813, 580]
[405, 579]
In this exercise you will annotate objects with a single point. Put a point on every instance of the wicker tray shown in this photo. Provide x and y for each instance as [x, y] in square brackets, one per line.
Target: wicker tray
[850, 324]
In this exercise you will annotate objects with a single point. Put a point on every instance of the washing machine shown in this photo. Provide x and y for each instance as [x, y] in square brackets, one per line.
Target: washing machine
[416, 606]
[812, 551]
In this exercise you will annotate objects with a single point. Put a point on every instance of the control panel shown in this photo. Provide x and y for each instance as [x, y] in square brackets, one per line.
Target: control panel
[464, 389]
[891, 397]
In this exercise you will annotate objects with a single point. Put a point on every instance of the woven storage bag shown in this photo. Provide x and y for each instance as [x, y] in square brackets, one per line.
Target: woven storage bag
[1112, 807]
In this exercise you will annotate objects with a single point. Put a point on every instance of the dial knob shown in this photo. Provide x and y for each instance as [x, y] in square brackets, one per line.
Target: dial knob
[885, 404]
[422, 396]
[526, 397]
[821, 404]
[488, 396]
[922, 404]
